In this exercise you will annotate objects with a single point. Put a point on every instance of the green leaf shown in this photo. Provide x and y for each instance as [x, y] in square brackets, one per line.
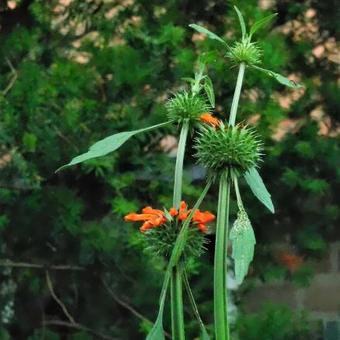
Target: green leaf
[167, 215]
[209, 90]
[258, 188]
[107, 145]
[157, 331]
[204, 334]
[188, 79]
[242, 23]
[243, 242]
[210, 34]
[260, 23]
[281, 79]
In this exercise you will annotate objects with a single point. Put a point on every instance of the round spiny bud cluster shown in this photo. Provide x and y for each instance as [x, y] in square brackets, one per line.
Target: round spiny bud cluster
[161, 240]
[185, 105]
[226, 148]
[245, 52]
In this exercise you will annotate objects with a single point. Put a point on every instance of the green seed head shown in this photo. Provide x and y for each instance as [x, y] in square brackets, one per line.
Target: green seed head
[161, 240]
[226, 148]
[245, 52]
[185, 105]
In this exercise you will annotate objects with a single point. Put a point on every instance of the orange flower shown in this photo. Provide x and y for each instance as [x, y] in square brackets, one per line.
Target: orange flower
[173, 212]
[183, 211]
[153, 218]
[208, 118]
[201, 218]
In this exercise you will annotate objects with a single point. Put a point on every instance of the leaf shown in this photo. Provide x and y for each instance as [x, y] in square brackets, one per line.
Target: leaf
[189, 80]
[107, 145]
[210, 34]
[258, 188]
[243, 242]
[209, 90]
[157, 331]
[204, 334]
[167, 215]
[281, 79]
[260, 23]
[242, 23]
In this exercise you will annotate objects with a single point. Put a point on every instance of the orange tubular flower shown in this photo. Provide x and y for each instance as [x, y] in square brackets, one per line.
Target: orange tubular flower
[208, 118]
[183, 211]
[201, 218]
[153, 218]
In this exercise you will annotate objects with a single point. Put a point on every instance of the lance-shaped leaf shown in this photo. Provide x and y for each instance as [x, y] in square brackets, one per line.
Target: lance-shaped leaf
[258, 188]
[204, 334]
[281, 79]
[242, 23]
[260, 23]
[107, 145]
[243, 242]
[157, 331]
[210, 34]
[209, 90]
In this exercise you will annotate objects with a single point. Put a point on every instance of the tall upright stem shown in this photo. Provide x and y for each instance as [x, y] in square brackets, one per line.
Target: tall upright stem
[222, 231]
[220, 284]
[237, 93]
[177, 318]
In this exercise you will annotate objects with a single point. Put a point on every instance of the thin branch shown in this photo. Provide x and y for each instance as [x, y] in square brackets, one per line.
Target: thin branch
[57, 300]
[128, 307]
[13, 79]
[9, 263]
[78, 327]
[65, 138]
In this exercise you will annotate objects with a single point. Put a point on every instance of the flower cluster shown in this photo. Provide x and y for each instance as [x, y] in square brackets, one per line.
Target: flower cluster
[154, 218]
[161, 229]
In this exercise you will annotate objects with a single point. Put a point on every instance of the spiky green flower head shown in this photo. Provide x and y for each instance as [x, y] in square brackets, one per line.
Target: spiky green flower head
[161, 240]
[246, 52]
[231, 149]
[185, 105]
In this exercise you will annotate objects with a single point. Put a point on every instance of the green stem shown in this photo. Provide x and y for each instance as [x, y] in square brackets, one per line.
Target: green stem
[177, 318]
[237, 93]
[179, 165]
[193, 303]
[220, 263]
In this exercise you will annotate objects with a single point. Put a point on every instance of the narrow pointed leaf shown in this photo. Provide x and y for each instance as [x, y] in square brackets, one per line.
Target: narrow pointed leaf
[188, 79]
[107, 145]
[157, 331]
[242, 23]
[258, 188]
[209, 90]
[243, 242]
[204, 334]
[210, 34]
[281, 79]
[260, 23]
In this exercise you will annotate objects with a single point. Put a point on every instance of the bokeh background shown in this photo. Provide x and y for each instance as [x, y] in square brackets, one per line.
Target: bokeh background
[73, 72]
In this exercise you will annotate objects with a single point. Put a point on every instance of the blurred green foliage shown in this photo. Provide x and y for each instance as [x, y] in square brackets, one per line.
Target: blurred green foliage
[72, 74]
